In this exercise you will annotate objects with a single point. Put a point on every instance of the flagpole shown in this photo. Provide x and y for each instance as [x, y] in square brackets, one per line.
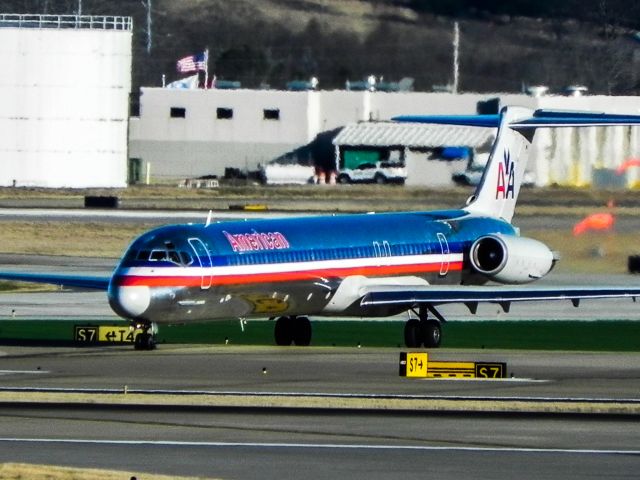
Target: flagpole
[206, 68]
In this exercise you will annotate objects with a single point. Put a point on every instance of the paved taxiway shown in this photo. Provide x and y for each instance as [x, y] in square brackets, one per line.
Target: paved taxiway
[257, 445]
[316, 369]
[318, 443]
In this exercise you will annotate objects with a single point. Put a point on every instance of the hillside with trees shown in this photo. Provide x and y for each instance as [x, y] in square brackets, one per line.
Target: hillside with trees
[505, 45]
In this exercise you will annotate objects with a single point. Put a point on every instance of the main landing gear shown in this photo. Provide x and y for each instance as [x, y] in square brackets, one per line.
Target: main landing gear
[422, 330]
[144, 340]
[296, 330]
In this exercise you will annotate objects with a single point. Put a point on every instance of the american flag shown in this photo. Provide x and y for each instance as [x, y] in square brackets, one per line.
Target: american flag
[193, 63]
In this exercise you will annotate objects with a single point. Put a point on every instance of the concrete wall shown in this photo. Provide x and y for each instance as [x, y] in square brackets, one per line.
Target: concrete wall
[201, 144]
[64, 96]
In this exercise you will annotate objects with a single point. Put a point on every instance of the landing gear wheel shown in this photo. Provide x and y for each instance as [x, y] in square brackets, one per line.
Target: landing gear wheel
[296, 330]
[144, 341]
[283, 331]
[302, 331]
[432, 333]
[413, 333]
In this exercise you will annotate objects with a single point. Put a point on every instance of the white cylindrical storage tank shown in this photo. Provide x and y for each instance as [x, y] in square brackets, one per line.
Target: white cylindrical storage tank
[64, 101]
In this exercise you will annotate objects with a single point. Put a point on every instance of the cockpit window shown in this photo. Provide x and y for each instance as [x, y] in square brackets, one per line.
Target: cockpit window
[186, 258]
[179, 257]
[158, 255]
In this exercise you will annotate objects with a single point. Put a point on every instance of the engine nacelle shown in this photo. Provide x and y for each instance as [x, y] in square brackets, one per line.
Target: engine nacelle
[509, 259]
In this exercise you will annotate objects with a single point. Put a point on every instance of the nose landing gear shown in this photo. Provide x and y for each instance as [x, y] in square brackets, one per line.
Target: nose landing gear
[145, 340]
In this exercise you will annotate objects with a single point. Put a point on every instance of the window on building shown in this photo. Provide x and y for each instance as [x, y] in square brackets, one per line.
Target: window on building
[224, 113]
[271, 114]
[178, 112]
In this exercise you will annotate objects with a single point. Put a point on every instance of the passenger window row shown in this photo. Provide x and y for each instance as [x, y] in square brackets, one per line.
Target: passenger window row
[325, 254]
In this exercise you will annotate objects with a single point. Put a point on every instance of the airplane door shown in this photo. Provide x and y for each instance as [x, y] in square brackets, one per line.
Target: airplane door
[204, 258]
[377, 250]
[444, 248]
[387, 248]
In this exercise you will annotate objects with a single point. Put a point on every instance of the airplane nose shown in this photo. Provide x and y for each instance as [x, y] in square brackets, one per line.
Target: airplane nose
[130, 301]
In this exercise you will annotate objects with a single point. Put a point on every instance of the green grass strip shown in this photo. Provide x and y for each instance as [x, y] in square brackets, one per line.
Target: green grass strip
[610, 335]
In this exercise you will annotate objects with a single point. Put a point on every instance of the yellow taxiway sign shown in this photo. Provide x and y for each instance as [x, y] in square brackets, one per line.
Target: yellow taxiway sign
[417, 365]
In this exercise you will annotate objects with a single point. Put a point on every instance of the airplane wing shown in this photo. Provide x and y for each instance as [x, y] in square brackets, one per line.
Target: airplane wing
[472, 296]
[73, 281]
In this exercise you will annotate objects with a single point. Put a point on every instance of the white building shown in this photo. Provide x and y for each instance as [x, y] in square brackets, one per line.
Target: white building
[190, 133]
[64, 100]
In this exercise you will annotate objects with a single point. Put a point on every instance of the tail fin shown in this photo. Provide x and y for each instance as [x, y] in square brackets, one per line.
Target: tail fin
[497, 193]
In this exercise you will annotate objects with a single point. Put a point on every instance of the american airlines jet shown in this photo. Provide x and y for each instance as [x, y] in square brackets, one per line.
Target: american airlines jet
[366, 265]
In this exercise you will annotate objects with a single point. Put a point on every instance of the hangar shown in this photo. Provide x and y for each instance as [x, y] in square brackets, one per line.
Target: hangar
[64, 100]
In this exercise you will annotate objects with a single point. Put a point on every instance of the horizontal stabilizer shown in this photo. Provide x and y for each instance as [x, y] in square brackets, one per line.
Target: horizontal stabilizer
[491, 121]
[539, 118]
[559, 118]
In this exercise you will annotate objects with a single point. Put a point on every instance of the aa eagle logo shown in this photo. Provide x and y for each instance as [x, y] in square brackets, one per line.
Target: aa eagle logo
[506, 177]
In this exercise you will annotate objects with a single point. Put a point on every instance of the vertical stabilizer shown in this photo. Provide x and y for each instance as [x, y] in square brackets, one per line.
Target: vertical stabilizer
[497, 193]
[498, 190]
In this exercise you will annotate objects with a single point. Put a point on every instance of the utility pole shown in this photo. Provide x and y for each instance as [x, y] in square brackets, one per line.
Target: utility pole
[147, 4]
[79, 7]
[149, 41]
[456, 58]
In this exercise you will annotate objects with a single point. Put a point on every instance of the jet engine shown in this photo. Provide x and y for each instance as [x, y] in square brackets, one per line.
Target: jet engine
[510, 259]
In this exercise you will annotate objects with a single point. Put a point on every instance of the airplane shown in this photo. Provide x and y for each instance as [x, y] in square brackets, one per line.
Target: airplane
[351, 265]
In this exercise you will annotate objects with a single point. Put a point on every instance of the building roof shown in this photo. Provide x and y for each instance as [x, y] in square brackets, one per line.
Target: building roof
[417, 135]
[92, 22]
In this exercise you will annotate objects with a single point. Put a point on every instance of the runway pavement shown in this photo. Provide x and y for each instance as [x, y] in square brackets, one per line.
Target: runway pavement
[253, 445]
[235, 442]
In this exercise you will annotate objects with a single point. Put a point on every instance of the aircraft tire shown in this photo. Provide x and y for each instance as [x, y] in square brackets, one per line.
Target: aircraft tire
[283, 331]
[413, 333]
[144, 341]
[301, 331]
[432, 333]
[137, 342]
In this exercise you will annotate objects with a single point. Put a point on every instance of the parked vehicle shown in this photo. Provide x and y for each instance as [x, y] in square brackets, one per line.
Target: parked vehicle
[275, 174]
[379, 172]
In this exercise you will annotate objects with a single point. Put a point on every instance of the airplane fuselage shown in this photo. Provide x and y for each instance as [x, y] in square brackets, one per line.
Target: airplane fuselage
[303, 266]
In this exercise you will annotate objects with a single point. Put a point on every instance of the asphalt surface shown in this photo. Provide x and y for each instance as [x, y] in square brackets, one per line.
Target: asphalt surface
[269, 443]
[256, 445]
